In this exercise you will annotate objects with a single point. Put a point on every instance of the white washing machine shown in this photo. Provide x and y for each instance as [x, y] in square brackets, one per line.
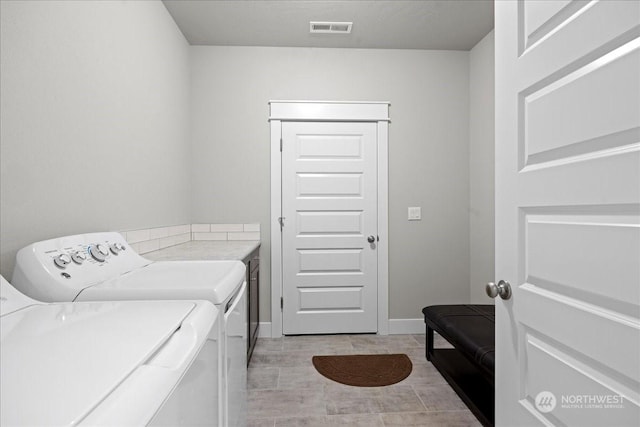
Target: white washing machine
[103, 267]
[127, 363]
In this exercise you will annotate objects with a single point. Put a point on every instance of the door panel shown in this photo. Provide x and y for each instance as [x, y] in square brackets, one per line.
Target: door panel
[594, 249]
[329, 185]
[564, 374]
[339, 298]
[321, 223]
[541, 17]
[329, 147]
[564, 118]
[329, 202]
[330, 261]
[568, 212]
[574, 325]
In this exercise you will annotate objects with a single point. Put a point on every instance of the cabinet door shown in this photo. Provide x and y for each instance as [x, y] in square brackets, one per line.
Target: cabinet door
[253, 283]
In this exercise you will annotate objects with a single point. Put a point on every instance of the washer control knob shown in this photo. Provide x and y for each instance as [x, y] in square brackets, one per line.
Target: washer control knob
[79, 257]
[99, 252]
[116, 248]
[62, 260]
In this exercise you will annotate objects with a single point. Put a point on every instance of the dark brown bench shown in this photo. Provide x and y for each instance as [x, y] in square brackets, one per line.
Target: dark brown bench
[469, 367]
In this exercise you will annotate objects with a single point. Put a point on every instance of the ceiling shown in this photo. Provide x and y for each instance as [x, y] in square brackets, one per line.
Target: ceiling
[377, 24]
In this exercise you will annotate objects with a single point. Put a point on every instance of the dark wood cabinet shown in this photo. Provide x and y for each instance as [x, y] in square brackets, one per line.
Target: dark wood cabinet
[253, 300]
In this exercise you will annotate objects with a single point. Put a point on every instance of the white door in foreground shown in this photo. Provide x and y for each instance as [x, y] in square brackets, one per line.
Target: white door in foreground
[567, 212]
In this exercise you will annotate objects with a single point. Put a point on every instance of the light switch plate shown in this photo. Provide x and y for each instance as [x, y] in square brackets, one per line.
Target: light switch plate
[415, 214]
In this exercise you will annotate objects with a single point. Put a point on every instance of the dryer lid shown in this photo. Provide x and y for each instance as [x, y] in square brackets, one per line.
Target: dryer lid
[59, 361]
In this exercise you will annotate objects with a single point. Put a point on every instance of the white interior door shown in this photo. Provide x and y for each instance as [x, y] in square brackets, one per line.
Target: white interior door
[567, 212]
[329, 205]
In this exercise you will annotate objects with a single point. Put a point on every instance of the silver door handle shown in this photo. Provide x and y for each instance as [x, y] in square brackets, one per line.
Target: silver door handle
[371, 239]
[502, 288]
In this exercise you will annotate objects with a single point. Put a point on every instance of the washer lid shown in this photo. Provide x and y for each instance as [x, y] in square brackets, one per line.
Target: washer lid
[59, 361]
[215, 281]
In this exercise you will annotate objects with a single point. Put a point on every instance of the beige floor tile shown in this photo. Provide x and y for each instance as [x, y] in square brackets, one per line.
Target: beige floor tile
[335, 350]
[422, 339]
[438, 397]
[431, 419]
[424, 373]
[439, 342]
[399, 399]
[269, 344]
[281, 359]
[355, 420]
[320, 349]
[350, 420]
[337, 391]
[318, 421]
[316, 342]
[301, 378]
[286, 390]
[394, 343]
[369, 350]
[362, 400]
[262, 378]
[261, 422]
[354, 405]
[282, 403]
[417, 355]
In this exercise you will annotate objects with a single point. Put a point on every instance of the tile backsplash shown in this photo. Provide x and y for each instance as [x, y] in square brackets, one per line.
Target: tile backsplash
[225, 231]
[153, 239]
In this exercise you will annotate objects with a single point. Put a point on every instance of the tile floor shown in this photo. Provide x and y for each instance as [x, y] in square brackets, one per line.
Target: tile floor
[286, 390]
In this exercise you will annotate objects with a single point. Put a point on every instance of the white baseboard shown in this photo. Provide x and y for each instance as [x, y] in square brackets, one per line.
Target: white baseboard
[406, 326]
[396, 327]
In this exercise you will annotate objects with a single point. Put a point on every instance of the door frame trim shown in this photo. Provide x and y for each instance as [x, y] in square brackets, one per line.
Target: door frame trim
[329, 111]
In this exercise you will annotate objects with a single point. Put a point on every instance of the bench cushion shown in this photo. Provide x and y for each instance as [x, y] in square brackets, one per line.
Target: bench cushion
[469, 328]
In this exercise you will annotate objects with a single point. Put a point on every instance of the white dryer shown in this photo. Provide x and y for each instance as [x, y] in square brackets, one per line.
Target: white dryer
[106, 363]
[103, 267]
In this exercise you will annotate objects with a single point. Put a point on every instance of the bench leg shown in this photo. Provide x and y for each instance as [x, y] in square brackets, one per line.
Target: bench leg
[429, 349]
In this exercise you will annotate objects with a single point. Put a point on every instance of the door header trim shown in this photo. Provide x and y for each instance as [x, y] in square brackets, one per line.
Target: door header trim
[329, 111]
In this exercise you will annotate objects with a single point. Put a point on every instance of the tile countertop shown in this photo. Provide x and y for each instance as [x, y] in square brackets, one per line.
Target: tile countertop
[205, 250]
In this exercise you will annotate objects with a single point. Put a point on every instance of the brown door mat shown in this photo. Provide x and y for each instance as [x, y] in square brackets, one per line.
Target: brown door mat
[364, 370]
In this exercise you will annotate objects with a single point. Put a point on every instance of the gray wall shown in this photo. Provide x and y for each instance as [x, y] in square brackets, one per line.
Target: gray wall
[428, 154]
[481, 167]
[94, 114]
[100, 100]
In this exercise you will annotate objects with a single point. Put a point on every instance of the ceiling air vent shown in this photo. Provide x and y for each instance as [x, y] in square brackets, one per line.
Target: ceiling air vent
[330, 27]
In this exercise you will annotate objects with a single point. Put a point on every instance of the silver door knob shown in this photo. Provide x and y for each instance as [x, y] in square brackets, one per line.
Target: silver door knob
[371, 239]
[502, 288]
